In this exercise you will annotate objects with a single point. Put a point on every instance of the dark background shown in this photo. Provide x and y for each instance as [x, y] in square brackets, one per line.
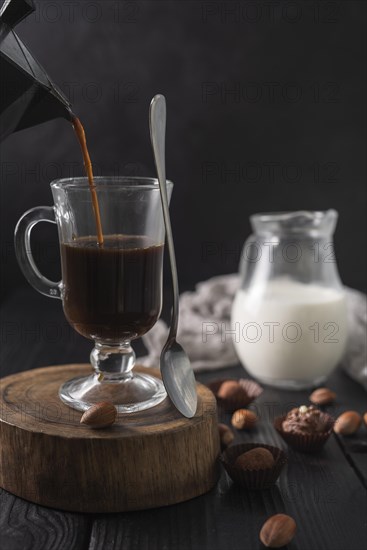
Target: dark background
[265, 112]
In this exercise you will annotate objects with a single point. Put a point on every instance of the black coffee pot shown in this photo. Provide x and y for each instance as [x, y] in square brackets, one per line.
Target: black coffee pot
[27, 95]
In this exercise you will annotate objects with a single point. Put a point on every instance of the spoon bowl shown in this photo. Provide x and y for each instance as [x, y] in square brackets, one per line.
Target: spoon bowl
[178, 378]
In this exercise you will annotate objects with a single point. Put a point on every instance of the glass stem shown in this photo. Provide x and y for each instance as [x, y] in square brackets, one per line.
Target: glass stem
[113, 362]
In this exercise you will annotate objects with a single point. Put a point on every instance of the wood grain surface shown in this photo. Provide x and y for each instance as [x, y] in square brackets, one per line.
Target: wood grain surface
[325, 493]
[49, 458]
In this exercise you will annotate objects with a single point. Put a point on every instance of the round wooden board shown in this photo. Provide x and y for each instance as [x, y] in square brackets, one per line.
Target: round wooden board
[145, 460]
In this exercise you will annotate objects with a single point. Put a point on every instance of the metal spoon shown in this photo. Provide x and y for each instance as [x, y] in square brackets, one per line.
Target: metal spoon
[177, 374]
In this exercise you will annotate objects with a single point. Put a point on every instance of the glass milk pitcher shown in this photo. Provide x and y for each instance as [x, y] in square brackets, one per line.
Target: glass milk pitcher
[289, 314]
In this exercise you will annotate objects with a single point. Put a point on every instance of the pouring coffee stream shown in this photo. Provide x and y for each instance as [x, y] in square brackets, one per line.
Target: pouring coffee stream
[80, 134]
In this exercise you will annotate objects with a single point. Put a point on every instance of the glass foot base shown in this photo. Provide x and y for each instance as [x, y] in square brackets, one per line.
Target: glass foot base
[136, 393]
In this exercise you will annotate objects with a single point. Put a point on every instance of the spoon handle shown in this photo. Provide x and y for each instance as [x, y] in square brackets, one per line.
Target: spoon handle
[157, 123]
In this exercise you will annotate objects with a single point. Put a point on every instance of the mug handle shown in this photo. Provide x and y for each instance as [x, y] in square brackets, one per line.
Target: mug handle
[23, 252]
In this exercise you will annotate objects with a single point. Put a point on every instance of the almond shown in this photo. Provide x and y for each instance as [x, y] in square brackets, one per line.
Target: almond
[243, 419]
[100, 415]
[348, 423]
[322, 396]
[255, 459]
[365, 418]
[278, 531]
[226, 435]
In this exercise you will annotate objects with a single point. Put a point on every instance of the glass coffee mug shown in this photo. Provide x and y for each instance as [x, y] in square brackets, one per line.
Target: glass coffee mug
[111, 293]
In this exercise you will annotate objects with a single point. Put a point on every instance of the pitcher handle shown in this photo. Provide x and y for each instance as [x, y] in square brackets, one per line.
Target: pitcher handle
[23, 252]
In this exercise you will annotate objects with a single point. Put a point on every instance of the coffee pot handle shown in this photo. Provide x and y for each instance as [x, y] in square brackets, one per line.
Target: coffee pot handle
[23, 251]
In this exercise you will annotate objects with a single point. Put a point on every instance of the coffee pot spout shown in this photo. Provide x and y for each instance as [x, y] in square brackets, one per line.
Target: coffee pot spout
[28, 96]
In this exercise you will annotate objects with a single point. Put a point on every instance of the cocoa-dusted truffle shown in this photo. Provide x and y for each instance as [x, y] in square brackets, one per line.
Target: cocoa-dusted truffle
[253, 465]
[304, 420]
[255, 459]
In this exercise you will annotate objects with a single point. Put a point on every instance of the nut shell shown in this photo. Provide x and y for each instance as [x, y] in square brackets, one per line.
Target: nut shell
[226, 435]
[100, 415]
[258, 458]
[278, 531]
[348, 423]
[243, 419]
[322, 396]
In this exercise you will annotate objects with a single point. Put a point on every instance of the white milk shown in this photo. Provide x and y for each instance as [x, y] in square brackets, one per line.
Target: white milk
[307, 341]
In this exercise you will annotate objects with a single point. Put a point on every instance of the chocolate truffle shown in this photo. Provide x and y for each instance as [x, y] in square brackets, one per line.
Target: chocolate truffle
[235, 394]
[255, 459]
[254, 466]
[304, 420]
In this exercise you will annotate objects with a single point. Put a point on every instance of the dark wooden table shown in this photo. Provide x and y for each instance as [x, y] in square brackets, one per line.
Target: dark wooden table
[325, 493]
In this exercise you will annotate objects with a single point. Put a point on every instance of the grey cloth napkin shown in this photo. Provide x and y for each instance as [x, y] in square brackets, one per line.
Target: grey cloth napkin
[205, 323]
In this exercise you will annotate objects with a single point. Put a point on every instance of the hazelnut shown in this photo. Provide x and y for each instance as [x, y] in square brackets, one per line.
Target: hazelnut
[258, 458]
[100, 415]
[348, 423]
[226, 435]
[278, 531]
[322, 396]
[230, 389]
[243, 419]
